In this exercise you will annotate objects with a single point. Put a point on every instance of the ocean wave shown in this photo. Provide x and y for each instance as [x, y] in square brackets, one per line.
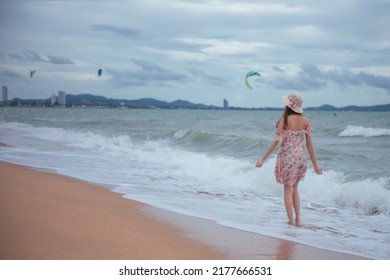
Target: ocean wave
[196, 136]
[215, 142]
[71, 138]
[368, 196]
[353, 131]
[217, 173]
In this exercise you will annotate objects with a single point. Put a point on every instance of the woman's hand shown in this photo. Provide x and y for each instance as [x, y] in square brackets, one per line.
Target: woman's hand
[317, 169]
[260, 163]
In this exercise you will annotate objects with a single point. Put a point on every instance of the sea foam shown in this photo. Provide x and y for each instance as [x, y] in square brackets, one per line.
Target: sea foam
[352, 130]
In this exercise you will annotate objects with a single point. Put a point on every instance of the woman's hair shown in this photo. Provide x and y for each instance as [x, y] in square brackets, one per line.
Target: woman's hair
[287, 111]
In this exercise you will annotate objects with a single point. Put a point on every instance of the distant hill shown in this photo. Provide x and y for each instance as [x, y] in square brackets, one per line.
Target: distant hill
[90, 100]
[376, 108]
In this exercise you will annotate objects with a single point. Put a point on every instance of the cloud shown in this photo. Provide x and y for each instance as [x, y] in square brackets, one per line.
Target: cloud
[234, 7]
[311, 77]
[277, 69]
[35, 57]
[7, 73]
[121, 31]
[215, 80]
[17, 56]
[226, 47]
[58, 60]
[147, 74]
[378, 81]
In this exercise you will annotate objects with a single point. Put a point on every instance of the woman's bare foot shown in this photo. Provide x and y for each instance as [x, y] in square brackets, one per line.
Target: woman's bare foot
[298, 223]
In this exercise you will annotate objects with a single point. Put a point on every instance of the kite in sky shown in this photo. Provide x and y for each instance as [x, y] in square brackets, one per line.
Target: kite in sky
[32, 72]
[250, 74]
[100, 71]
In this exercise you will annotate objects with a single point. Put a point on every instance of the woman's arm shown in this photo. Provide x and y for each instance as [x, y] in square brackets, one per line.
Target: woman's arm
[310, 148]
[267, 153]
[273, 145]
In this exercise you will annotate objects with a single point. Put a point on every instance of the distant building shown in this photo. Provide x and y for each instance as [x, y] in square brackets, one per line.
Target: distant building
[225, 104]
[62, 98]
[4, 96]
[54, 100]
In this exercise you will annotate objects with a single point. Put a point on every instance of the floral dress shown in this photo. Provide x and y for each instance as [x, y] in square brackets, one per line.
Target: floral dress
[291, 162]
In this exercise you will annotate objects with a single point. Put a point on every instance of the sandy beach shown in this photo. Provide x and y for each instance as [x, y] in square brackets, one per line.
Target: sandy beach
[49, 216]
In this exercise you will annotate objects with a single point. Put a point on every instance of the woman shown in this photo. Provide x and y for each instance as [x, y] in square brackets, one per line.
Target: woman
[291, 163]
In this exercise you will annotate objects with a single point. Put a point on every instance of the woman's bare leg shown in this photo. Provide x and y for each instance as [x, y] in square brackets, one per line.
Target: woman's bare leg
[288, 202]
[297, 205]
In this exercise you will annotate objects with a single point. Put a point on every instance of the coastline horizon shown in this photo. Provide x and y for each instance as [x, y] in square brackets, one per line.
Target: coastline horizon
[98, 101]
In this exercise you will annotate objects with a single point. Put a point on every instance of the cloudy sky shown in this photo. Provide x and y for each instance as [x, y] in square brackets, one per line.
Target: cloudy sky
[332, 52]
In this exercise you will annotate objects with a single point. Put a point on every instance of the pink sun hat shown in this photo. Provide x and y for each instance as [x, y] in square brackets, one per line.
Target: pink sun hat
[294, 102]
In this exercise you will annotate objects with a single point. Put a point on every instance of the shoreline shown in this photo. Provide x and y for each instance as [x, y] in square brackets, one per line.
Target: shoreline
[51, 216]
[46, 216]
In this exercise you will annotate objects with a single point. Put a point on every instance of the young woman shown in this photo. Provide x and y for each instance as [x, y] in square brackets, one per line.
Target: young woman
[291, 162]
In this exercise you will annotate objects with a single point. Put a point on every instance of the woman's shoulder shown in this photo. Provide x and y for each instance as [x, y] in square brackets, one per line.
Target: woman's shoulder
[307, 125]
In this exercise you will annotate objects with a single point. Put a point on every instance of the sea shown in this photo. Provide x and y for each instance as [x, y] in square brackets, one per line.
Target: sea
[201, 163]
